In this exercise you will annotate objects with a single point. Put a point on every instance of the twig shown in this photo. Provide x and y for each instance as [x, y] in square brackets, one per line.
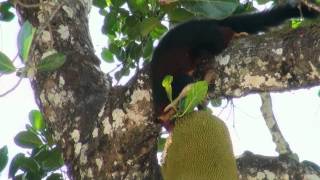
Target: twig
[282, 146]
[310, 5]
[12, 89]
[27, 5]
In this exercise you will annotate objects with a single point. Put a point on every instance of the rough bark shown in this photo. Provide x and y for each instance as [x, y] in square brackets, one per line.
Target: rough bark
[258, 167]
[109, 132]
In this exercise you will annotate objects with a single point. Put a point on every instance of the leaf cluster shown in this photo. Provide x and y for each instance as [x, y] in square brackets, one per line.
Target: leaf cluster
[133, 27]
[45, 157]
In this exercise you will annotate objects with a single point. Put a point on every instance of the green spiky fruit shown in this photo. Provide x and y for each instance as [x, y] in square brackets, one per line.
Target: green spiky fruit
[200, 150]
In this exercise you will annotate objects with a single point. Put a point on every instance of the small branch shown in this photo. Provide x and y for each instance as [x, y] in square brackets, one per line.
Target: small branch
[12, 89]
[310, 5]
[27, 5]
[282, 147]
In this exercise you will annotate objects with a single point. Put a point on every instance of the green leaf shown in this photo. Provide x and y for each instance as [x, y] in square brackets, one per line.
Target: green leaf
[100, 3]
[25, 37]
[55, 176]
[166, 83]
[148, 47]
[6, 65]
[111, 23]
[118, 3]
[195, 96]
[107, 55]
[36, 120]
[23, 163]
[319, 93]
[216, 102]
[216, 9]
[54, 160]
[3, 157]
[14, 165]
[261, 2]
[5, 14]
[138, 5]
[149, 25]
[51, 62]
[161, 143]
[296, 23]
[50, 160]
[158, 31]
[179, 15]
[27, 139]
[133, 50]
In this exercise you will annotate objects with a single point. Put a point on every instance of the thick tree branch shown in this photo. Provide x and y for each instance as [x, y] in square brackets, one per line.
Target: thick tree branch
[277, 61]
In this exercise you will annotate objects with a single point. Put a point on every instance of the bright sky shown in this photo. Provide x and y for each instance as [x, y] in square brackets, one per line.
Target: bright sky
[297, 112]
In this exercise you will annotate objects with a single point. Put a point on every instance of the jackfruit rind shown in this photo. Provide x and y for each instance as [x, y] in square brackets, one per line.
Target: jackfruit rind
[201, 150]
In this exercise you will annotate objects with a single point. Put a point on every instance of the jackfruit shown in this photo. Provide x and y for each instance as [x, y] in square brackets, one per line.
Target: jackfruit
[201, 149]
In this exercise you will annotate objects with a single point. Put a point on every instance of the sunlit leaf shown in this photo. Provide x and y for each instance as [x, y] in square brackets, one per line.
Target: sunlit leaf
[296, 23]
[51, 62]
[27, 139]
[25, 37]
[166, 83]
[3, 157]
[195, 96]
[36, 120]
[6, 65]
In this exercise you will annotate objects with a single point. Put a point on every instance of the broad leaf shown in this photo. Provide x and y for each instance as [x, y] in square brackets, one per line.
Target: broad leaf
[296, 23]
[107, 55]
[23, 163]
[3, 157]
[51, 62]
[148, 47]
[149, 25]
[5, 14]
[6, 65]
[161, 143]
[50, 160]
[27, 139]
[28, 165]
[216, 9]
[36, 120]
[179, 15]
[138, 5]
[195, 96]
[166, 83]
[55, 176]
[25, 37]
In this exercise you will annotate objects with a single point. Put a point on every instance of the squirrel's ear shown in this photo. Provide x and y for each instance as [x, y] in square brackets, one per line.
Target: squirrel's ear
[200, 149]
